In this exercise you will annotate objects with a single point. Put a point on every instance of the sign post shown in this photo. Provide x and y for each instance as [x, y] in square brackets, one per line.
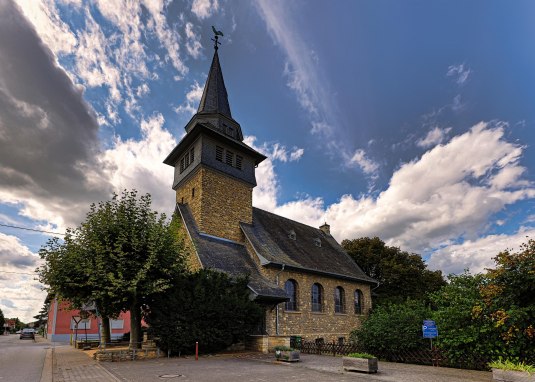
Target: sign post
[430, 330]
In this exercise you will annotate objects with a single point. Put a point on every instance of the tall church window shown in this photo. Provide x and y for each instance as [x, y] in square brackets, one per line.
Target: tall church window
[291, 291]
[317, 298]
[339, 300]
[358, 302]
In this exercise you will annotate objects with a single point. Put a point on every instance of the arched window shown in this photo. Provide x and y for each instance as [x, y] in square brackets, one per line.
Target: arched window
[358, 302]
[339, 300]
[291, 291]
[317, 298]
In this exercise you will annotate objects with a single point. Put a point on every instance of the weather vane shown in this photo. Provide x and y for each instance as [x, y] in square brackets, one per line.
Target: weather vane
[216, 37]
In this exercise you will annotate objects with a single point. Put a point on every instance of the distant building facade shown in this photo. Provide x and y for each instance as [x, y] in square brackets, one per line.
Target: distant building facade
[308, 285]
[65, 324]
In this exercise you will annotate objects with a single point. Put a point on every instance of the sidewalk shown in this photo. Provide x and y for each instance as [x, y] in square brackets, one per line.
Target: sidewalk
[63, 363]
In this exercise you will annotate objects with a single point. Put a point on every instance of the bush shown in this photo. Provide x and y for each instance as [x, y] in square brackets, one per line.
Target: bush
[207, 307]
[361, 355]
[393, 327]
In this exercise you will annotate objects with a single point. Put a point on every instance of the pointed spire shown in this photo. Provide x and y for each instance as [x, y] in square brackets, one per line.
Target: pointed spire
[214, 97]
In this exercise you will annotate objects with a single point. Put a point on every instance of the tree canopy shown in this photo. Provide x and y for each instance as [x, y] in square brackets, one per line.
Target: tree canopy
[207, 307]
[401, 274]
[2, 320]
[122, 253]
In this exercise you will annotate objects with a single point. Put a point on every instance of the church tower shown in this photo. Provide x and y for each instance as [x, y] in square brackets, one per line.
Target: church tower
[214, 169]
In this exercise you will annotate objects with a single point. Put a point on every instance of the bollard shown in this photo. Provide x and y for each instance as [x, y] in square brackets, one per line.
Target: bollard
[196, 351]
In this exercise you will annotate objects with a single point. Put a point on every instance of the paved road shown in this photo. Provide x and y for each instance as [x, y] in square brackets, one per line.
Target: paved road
[21, 360]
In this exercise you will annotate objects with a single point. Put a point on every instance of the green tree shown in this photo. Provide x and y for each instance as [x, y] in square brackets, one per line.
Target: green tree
[122, 253]
[392, 328]
[509, 300]
[401, 274]
[2, 320]
[464, 331]
[207, 307]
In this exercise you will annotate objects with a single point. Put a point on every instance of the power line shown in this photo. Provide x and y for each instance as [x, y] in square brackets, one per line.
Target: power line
[31, 229]
[20, 273]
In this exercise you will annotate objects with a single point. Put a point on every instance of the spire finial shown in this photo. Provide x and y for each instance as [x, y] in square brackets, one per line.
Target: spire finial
[216, 37]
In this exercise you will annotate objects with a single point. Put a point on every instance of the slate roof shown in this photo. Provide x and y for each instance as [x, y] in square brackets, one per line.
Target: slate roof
[269, 236]
[229, 257]
[214, 97]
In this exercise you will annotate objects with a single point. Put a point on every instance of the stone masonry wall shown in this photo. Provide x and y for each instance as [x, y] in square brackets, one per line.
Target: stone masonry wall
[186, 195]
[311, 325]
[218, 204]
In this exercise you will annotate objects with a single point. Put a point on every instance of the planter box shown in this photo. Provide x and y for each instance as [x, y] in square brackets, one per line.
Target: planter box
[512, 376]
[287, 356]
[367, 365]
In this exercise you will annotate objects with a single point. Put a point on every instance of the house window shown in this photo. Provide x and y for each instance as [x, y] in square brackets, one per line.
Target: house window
[229, 157]
[82, 323]
[341, 340]
[317, 242]
[239, 160]
[358, 302]
[191, 155]
[292, 235]
[219, 153]
[291, 291]
[116, 324]
[193, 192]
[339, 300]
[317, 298]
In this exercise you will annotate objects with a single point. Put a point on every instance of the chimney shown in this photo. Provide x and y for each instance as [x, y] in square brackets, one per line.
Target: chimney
[326, 228]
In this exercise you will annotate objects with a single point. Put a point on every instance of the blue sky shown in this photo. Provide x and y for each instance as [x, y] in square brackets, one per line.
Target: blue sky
[412, 121]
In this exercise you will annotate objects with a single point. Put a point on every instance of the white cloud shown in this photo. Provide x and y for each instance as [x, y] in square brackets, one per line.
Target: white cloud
[476, 255]
[448, 194]
[368, 166]
[193, 97]
[21, 294]
[459, 72]
[138, 164]
[193, 44]
[204, 8]
[43, 14]
[433, 137]
[303, 73]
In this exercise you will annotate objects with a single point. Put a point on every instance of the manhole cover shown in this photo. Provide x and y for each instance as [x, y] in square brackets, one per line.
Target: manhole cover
[170, 375]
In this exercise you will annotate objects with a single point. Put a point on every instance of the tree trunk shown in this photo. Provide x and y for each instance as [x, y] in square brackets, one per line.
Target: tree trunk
[135, 325]
[105, 333]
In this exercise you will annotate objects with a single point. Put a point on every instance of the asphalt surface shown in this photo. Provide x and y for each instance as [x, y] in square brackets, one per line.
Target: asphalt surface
[21, 360]
[260, 367]
[24, 360]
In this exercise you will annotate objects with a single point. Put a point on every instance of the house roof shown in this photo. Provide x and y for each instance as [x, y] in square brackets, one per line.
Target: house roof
[280, 241]
[214, 97]
[229, 257]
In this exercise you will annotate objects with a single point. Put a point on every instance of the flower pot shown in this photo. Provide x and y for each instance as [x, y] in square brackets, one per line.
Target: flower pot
[501, 375]
[287, 355]
[367, 365]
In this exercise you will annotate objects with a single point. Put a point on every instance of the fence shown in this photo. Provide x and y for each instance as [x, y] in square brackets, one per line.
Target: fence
[434, 357]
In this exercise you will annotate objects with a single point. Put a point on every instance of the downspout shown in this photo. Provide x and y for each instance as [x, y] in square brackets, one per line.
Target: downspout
[277, 307]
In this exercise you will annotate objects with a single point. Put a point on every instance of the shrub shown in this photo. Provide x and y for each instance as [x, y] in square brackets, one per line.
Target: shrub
[393, 327]
[207, 307]
[361, 355]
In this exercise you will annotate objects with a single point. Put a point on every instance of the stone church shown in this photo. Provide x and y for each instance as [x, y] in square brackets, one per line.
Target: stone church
[309, 286]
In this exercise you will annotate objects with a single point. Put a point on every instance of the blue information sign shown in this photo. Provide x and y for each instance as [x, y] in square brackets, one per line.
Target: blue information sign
[429, 329]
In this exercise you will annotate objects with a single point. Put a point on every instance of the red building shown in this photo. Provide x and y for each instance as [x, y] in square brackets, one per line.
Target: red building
[62, 320]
